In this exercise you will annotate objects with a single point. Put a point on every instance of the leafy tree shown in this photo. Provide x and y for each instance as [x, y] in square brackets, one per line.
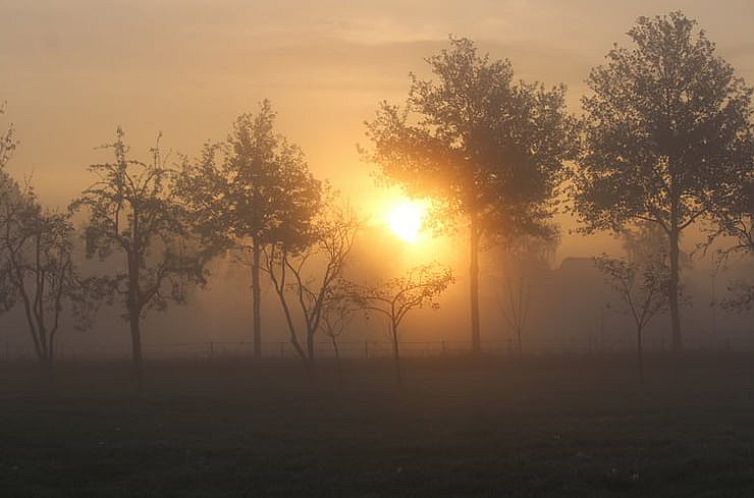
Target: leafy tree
[306, 277]
[395, 298]
[133, 213]
[641, 281]
[39, 268]
[253, 192]
[487, 148]
[667, 128]
[36, 264]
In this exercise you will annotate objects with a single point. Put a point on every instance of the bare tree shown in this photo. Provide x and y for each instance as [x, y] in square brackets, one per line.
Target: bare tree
[524, 256]
[641, 282]
[515, 307]
[133, 213]
[395, 298]
[251, 193]
[306, 277]
[337, 313]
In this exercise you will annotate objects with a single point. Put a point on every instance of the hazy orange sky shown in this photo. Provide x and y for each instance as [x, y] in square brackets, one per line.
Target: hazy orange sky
[73, 70]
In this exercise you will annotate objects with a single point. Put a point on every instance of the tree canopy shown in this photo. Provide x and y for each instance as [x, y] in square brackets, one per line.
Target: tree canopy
[667, 127]
[486, 147]
[253, 191]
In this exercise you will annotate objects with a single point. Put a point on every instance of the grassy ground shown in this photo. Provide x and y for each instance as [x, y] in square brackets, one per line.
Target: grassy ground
[568, 426]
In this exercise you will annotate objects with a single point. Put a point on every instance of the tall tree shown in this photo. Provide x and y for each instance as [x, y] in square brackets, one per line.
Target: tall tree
[251, 192]
[133, 213]
[667, 127]
[491, 150]
[396, 297]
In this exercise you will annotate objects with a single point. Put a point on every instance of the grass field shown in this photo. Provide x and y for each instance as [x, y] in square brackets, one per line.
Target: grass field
[565, 426]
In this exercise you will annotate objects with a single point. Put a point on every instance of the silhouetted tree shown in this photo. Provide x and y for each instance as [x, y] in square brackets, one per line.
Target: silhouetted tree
[337, 313]
[515, 306]
[641, 281]
[395, 298]
[488, 148]
[306, 275]
[253, 192]
[666, 129]
[10, 195]
[7, 142]
[735, 218]
[133, 212]
[38, 247]
[524, 257]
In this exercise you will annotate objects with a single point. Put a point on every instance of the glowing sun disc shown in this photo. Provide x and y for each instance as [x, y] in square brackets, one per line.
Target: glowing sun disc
[406, 218]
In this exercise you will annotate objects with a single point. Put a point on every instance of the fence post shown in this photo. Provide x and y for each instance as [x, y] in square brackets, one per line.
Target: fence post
[211, 349]
[443, 347]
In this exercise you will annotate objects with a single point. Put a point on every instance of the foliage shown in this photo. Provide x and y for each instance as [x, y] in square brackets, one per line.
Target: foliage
[667, 129]
[38, 268]
[253, 192]
[473, 138]
[479, 144]
[133, 213]
[667, 125]
[8, 142]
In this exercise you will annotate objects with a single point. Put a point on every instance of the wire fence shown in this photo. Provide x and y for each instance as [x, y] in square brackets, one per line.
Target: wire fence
[369, 349]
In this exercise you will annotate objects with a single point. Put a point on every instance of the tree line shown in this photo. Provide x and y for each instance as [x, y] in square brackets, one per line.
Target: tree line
[664, 141]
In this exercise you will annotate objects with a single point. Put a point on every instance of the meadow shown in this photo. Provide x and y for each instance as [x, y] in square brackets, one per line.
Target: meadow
[561, 426]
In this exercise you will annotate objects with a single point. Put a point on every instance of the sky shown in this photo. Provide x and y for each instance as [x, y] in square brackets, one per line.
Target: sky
[71, 71]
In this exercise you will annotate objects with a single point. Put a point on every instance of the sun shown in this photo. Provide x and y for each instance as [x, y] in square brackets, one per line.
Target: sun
[405, 219]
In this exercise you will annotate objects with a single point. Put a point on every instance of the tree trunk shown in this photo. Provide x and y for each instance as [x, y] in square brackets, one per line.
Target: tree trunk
[138, 363]
[134, 306]
[337, 360]
[310, 346]
[476, 346]
[396, 355]
[640, 355]
[256, 298]
[675, 312]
